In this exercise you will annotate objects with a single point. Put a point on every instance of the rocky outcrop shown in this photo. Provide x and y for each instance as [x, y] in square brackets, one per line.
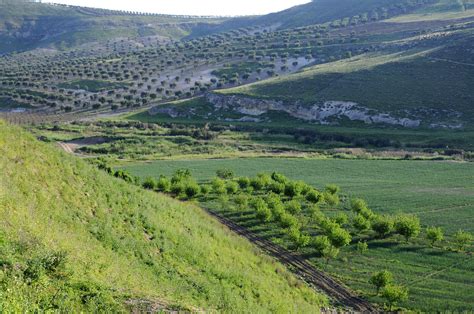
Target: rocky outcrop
[323, 113]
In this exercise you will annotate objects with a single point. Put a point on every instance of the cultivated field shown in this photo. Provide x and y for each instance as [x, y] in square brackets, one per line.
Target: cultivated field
[439, 193]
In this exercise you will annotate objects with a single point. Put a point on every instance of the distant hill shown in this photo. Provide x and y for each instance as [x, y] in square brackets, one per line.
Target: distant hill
[73, 238]
[27, 25]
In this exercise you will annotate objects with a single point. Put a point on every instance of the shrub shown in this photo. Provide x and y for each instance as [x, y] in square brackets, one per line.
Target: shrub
[381, 279]
[340, 237]
[273, 200]
[163, 184]
[293, 207]
[218, 186]
[313, 196]
[244, 182]
[462, 239]
[205, 189]
[280, 178]
[434, 234]
[293, 188]
[382, 225]
[232, 187]
[191, 189]
[242, 201]
[177, 188]
[225, 173]
[277, 187]
[394, 294]
[362, 247]
[358, 205]
[341, 219]
[288, 220]
[263, 212]
[278, 211]
[361, 223]
[298, 238]
[181, 175]
[331, 199]
[150, 183]
[321, 243]
[332, 189]
[407, 226]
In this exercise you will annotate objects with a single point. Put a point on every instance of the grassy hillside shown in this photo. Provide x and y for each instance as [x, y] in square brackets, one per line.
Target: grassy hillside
[26, 26]
[73, 238]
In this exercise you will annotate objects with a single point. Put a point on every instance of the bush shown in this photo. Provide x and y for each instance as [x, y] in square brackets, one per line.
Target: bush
[232, 187]
[358, 205]
[178, 188]
[191, 189]
[280, 178]
[293, 188]
[362, 247]
[242, 201]
[407, 226]
[321, 243]
[341, 219]
[277, 187]
[163, 184]
[273, 200]
[244, 182]
[340, 237]
[381, 279]
[331, 199]
[361, 223]
[332, 189]
[150, 183]
[313, 196]
[434, 234]
[288, 220]
[394, 294]
[293, 207]
[462, 239]
[205, 189]
[263, 212]
[181, 175]
[382, 225]
[225, 173]
[218, 186]
[298, 238]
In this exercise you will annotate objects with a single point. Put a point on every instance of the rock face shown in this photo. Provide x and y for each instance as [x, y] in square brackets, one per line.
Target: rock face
[322, 113]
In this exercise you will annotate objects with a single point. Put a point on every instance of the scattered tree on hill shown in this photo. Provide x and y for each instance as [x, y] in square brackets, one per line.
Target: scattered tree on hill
[150, 183]
[362, 247]
[225, 173]
[382, 225]
[381, 279]
[407, 226]
[463, 239]
[434, 234]
[394, 294]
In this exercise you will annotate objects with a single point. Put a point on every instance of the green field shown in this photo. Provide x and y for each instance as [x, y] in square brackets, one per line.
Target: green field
[440, 193]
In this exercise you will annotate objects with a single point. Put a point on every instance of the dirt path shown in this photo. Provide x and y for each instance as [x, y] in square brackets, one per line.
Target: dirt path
[302, 268]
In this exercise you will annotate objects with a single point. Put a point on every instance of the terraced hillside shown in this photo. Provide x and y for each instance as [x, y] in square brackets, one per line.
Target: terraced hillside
[74, 238]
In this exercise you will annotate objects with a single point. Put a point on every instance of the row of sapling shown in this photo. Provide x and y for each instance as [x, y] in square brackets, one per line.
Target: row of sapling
[277, 200]
[406, 225]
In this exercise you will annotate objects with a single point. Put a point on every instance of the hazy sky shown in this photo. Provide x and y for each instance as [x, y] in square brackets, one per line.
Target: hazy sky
[191, 7]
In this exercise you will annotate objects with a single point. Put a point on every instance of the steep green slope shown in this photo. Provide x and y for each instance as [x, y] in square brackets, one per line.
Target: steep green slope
[30, 25]
[74, 239]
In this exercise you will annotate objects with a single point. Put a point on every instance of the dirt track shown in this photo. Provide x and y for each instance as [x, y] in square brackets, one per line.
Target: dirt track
[316, 278]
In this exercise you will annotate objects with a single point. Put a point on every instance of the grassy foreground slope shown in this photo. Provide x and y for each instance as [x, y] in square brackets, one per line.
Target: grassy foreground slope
[73, 238]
